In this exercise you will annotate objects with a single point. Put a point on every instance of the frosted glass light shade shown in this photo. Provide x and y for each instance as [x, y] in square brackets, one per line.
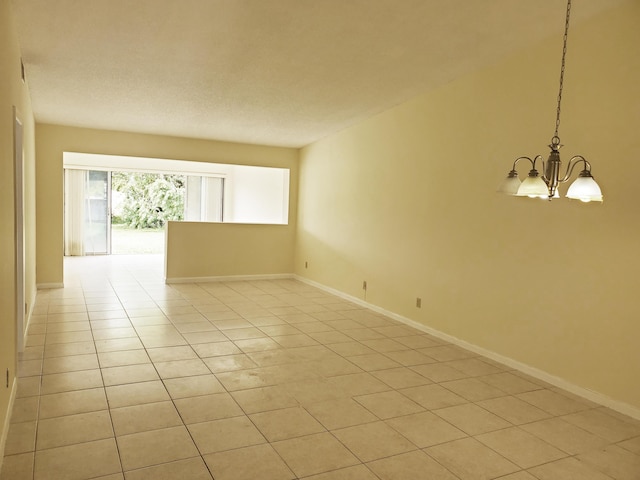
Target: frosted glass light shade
[585, 189]
[510, 185]
[533, 187]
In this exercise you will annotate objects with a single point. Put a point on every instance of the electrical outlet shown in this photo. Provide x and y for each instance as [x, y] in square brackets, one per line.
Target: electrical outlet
[364, 285]
[419, 302]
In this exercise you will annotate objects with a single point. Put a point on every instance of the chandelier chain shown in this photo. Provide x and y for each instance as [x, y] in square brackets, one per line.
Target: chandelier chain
[556, 139]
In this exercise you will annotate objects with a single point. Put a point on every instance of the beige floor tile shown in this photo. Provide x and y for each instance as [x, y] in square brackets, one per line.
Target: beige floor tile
[249, 463]
[120, 359]
[509, 383]
[433, 396]
[64, 382]
[632, 445]
[348, 348]
[362, 334]
[604, 425]
[373, 361]
[170, 354]
[118, 344]
[520, 447]
[30, 368]
[264, 399]
[564, 435]
[229, 363]
[567, 469]
[286, 423]
[401, 378]
[145, 449]
[419, 341]
[388, 404]
[17, 467]
[518, 476]
[243, 333]
[207, 407]
[358, 384]
[472, 419]
[341, 413]
[614, 461]
[552, 402]
[72, 429]
[189, 469]
[110, 323]
[197, 327]
[314, 454]
[477, 366]
[334, 366]
[69, 403]
[216, 349]
[129, 374]
[68, 337]
[181, 368]
[70, 363]
[409, 358]
[145, 417]
[243, 379]
[64, 349]
[470, 460]
[439, 372]
[425, 429]
[472, 389]
[109, 333]
[25, 409]
[167, 340]
[445, 353]
[193, 386]
[212, 336]
[357, 472]
[256, 345]
[373, 441]
[274, 357]
[78, 462]
[225, 434]
[514, 410]
[21, 438]
[410, 465]
[334, 339]
[136, 394]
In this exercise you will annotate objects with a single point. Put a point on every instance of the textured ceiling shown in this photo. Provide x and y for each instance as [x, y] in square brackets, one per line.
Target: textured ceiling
[273, 72]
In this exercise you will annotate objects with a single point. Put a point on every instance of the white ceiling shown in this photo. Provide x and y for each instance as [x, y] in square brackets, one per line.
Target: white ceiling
[273, 72]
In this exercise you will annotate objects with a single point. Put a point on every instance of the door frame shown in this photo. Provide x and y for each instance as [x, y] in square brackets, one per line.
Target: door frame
[18, 153]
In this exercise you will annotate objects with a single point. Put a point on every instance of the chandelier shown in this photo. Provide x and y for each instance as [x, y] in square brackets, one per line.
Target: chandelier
[584, 188]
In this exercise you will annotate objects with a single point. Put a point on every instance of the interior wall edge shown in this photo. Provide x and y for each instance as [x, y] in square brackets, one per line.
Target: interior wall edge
[7, 420]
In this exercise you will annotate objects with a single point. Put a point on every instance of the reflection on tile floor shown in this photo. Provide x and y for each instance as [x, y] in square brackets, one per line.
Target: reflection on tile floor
[125, 377]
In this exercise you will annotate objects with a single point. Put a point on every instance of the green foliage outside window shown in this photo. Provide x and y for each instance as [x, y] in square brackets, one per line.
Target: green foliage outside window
[148, 200]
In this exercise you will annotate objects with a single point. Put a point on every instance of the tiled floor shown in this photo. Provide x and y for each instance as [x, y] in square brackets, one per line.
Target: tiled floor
[126, 377]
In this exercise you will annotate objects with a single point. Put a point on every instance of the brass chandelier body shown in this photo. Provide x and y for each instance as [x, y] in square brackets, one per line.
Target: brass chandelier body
[546, 186]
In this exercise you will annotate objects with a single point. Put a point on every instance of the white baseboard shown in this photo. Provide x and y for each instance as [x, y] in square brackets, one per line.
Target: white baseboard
[45, 286]
[7, 420]
[228, 278]
[585, 393]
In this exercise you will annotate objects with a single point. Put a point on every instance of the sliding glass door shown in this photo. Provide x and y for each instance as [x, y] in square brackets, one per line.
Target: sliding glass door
[87, 220]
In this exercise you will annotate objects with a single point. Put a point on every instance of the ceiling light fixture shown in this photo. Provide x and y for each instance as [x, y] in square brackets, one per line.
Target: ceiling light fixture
[584, 188]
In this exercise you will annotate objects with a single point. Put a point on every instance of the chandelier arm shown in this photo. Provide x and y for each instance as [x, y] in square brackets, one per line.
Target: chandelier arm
[533, 163]
[575, 160]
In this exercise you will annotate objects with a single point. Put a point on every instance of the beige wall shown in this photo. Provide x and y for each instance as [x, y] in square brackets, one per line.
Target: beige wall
[53, 140]
[406, 201]
[199, 250]
[13, 93]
